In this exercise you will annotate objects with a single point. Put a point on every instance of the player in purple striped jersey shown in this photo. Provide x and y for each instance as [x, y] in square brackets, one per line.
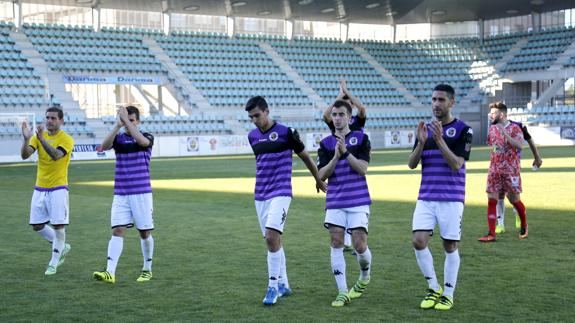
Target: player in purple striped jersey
[343, 159]
[537, 162]
[273, 145]
[132, 203]
[356, 122]
[442, 146]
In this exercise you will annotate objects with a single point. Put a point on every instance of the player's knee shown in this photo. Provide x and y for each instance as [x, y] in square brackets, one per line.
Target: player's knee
[118, 231]
[145, 234]
[418, 244]
[337, 241]
[37, 227]
[360, 247]
[449, 246]
[273, 243]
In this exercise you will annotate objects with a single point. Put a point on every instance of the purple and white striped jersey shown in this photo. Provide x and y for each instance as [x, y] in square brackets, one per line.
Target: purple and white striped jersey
[273, 150]
[132, 165]
[438, 181]
[345, 187]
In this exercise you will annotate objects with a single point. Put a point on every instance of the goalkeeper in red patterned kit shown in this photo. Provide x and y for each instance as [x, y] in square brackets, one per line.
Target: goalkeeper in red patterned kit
[506, 140]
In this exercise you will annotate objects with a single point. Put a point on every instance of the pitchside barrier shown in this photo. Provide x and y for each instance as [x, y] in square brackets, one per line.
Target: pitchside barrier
[202, 145]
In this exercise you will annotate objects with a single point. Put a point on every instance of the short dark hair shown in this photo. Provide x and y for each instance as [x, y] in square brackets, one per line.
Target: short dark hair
[342, 103]
[133, 110]
[257, 102]
[445, 88]
[58, 110]
[499, 106]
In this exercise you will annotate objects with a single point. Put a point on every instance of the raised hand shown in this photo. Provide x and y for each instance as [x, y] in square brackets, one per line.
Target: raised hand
[436, 130]
[422, 132]
[123, 115]
[26, 133]
[341, 145]
[342, 86]
[40, 131]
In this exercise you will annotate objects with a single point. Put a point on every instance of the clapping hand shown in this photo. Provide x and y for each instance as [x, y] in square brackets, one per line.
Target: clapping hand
[26, 133]
[436, 130]
[40, 131]
[422, 132]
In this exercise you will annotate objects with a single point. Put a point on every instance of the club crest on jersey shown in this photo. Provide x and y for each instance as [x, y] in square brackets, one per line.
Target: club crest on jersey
[274, 136]
[451, 132]
[353, 141]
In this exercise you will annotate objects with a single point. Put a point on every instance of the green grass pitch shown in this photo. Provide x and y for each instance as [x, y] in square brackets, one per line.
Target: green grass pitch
[210, 259]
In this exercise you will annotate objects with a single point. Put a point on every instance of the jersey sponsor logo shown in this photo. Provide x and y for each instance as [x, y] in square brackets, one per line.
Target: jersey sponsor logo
[353, 141]
[274, 136]
[451, 132]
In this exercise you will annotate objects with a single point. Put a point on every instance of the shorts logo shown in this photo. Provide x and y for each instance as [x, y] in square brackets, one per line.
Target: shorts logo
[515, 181]
[274, 136]
[451, 132]
[353, 141]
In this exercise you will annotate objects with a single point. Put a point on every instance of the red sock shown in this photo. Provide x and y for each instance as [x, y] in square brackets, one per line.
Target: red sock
[492, 215]
[521, 212]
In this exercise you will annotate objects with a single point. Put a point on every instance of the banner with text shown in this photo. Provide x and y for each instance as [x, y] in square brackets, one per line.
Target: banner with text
[114, 79]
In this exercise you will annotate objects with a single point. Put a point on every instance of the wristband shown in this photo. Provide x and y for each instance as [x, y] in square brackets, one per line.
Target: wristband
[344, 156]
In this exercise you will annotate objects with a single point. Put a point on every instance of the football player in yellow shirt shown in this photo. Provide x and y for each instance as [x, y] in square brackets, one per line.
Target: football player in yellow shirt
[50, 199]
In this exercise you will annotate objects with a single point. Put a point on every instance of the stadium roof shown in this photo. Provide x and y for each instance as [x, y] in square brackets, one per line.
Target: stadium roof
[355, 11]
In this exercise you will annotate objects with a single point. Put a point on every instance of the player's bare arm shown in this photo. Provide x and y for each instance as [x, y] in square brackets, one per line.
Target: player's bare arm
[26, 151]
[537, 161]
[356, 102]
[311, 166]
[54, 153]
[415, 155]
[455, 162]
[134, 131]
[326, 171]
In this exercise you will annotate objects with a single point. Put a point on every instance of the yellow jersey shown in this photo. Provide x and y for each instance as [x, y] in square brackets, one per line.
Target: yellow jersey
[53, 174]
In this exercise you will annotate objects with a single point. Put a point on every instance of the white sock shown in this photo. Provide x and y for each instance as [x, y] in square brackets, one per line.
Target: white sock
[425, 262]
[364, 261]
[47, 233]
[338, 268]
[451, 269]
[274, 264]
[347, 239]
[58, 245]
[501, 212]
[115, 247]
[283, 279]
[147, 252]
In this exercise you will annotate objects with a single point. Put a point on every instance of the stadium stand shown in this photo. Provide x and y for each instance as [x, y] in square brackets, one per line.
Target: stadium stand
[322, 61]
[79, 48]
[542, 49]
[560, 115]
[419, 65]
[19, 84]
[229, 70]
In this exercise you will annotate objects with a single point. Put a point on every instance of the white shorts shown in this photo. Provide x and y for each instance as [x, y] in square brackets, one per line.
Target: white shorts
[137, 209]
[272, 213]
[49, 207]
[449, 216]
[348, 218]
